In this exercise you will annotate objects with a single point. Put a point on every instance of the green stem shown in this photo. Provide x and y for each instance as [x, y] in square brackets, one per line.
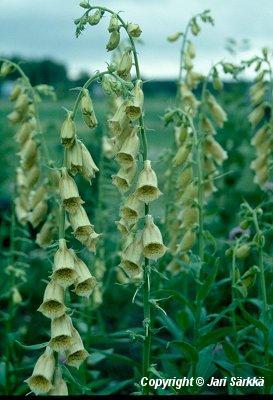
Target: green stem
[264, 313]
[233, 312]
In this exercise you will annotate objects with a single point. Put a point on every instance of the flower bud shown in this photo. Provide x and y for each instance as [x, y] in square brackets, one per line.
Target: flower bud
[16, 296]
[59, 385]
[53, 302]
[174, 37]
[84, 4]
[131, 210]
[129, 150]
[191, 50]
[261, 136]
[85, 282]
[40, 381]
[88, 110]
[113, 24]
[134, 30]
[28, 153]
[16, 91]
[124, 177]
[76, 353]
[131, 257]
[125, 64]
[69, 192]
[207, 126]
[95, 18]
[153, 247]
[6, 69]
[242, 251]
[61, 333]
[181, 133]
[113, 41]
[64, 270]
[147, 186]
[134, 108]
[68, 131]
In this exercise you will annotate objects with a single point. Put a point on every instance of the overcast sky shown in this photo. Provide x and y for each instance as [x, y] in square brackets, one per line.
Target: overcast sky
[44, 28]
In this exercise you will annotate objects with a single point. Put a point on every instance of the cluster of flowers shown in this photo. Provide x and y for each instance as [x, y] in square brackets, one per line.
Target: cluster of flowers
[263, 139]
[32, 188]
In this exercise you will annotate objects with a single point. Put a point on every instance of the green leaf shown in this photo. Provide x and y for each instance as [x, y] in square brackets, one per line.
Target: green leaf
[115, 387]
[32, 346]
[230, 351]
[118, 358]
[189, 350]
[71, 379]
[254, 321]
[207, 284]
[214, 337]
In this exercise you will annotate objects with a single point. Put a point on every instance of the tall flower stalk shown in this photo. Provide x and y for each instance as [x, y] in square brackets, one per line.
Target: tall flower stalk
[127, 126]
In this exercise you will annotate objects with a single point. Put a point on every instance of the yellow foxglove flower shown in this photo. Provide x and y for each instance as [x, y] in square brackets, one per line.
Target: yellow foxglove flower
[53, 302]
[129, 150]
[207, 126]
[76, 353]
[131, 258]
[69, 192]
[32, 176]
[14, 117]
[90, 241]
[89, 168]
[125, 64]
[216, 110]
[257, 115]
[23, 133]
[189, 217]
[134, 108]
[80, 223]
[147, 186]
[61, 333]
[181, 133]
[37, 195]
[38, 213]
[85, 282]
[28, 153]
[261, 136]
[59, 385]
[74, 158]
[68, 131]
[16, 296]
[214, 149]
[124, 226]
[182, 154]
[21, 103]
[64, 270]
[119, 120]
[124, 177]
[185, 178]
[40, 381]
[21, 210]
[95, 18]
[45, 237]
[153, 247]
[188, 241]
[132, 209]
